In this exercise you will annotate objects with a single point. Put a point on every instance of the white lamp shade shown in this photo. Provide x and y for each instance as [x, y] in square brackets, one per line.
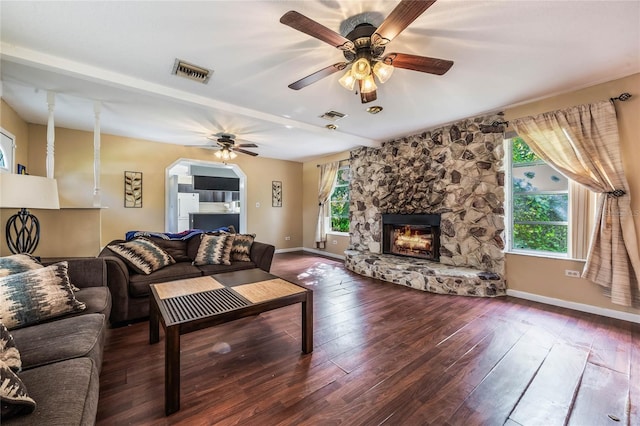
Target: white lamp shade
[29, 192]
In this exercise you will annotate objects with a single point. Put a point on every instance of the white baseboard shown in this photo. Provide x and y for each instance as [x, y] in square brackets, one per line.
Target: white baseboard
[324, 253]
[314, 251]
[287, 250]
[611, 313]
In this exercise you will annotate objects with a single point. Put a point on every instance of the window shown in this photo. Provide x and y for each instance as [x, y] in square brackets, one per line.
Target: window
[539, 203]
[6, 151]
[339, 201]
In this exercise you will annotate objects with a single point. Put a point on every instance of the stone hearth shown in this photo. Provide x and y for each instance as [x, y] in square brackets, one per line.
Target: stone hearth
[426, 275]
[455, 171]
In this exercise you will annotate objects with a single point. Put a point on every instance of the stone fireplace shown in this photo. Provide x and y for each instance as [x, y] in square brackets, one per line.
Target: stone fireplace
[454, 172]
[411, 235]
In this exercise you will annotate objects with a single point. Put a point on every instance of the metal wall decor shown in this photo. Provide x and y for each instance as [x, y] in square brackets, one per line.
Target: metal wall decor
[133, 189]
[276, 193]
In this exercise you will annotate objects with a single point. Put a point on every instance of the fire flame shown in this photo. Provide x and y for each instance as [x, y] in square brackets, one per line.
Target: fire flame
[411, 239]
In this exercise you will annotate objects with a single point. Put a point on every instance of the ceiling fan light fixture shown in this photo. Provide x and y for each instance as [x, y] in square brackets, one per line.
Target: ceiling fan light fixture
[368, 85]
[225, 154]
[361, 69]
[347, 81]
[382, 71]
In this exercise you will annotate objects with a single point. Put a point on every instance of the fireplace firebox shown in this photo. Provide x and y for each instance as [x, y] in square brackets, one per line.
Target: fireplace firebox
[413, 235]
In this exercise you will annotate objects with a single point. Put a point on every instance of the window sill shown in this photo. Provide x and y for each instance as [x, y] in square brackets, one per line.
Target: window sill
[342, 234]
[543, 255]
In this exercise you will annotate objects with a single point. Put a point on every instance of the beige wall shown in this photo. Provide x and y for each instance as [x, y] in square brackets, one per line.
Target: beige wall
[310, 178]
[546, 277]
[87, 229]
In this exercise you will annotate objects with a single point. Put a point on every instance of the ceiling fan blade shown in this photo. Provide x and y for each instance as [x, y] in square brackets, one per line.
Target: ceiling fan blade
[404, 14]
[418, 63]
[308, 26]
[247, 145]
[318, 75]
[244, 151]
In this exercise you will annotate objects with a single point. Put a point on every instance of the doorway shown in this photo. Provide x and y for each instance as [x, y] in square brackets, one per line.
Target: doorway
[187, 204]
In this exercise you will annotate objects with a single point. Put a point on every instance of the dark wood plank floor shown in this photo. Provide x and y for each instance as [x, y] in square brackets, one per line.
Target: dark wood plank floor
[384, 354]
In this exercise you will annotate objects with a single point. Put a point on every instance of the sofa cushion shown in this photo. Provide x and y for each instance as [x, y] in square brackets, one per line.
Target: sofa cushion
[66, 394]
[193, 244]
[214, 250]
[18, 263]
[33, 296]
[143, 255]
[8, 351]
[139, 284]
[14, 398]
[241, 248]
[67, 338]
[218, 269]
[176, 248]
[96, 299]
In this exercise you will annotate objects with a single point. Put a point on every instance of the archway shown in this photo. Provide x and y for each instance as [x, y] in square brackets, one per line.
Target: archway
[183, 170]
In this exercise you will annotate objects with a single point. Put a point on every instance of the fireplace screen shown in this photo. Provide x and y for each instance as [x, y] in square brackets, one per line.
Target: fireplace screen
[421, 239]
[412, 241]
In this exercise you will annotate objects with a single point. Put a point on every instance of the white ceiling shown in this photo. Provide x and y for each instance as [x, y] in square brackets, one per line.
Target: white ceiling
[122, 54]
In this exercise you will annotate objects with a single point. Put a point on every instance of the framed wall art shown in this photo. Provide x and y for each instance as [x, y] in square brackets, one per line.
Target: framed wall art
[276, 193]
[133, 189]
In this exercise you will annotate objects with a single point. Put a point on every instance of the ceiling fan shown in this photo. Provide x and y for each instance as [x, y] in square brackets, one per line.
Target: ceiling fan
[226, 146]
[363, 49]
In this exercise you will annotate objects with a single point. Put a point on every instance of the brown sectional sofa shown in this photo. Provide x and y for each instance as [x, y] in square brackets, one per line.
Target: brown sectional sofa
[130, 290]
[62, 358]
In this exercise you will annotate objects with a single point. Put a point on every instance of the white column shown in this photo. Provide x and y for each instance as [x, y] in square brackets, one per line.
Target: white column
[96, 155]
[51, 135]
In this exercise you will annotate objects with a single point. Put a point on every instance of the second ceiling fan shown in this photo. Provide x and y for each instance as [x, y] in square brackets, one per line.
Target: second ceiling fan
[363, 49]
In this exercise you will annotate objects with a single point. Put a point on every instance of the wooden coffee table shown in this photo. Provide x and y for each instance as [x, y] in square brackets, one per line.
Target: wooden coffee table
[192, 304]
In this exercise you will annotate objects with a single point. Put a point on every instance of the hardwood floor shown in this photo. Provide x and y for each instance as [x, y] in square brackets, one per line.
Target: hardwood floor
[384, 354]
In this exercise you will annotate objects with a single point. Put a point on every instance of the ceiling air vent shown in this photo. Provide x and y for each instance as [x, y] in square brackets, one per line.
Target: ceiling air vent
[190, 71]
[333, 115]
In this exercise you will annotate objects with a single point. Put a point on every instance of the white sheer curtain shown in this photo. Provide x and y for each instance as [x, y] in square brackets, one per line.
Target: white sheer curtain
[583, 218]
[328, 173]
[583, 143]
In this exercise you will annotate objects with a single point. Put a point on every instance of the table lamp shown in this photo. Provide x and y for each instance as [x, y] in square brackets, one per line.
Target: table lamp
[26, 192]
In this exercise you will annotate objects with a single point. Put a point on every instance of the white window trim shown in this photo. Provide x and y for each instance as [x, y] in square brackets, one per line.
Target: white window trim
[328, 229]
[508, 216]
[8, 145]
[344, 234]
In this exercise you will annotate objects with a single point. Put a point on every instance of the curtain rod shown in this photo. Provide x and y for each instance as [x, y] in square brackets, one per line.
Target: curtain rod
[346, 160]
[622, 97]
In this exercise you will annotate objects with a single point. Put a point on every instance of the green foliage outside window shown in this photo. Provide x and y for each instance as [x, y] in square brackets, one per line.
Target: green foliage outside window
[521, 153]
[540, 219]
[552, 238]
[340, 202]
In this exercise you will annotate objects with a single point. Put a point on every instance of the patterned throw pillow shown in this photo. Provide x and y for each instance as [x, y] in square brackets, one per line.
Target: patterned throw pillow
[214, 250]
[18, 263]
[242, 247]
[33, 296]
[143, 255]
[14, 398]
[8, 352]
